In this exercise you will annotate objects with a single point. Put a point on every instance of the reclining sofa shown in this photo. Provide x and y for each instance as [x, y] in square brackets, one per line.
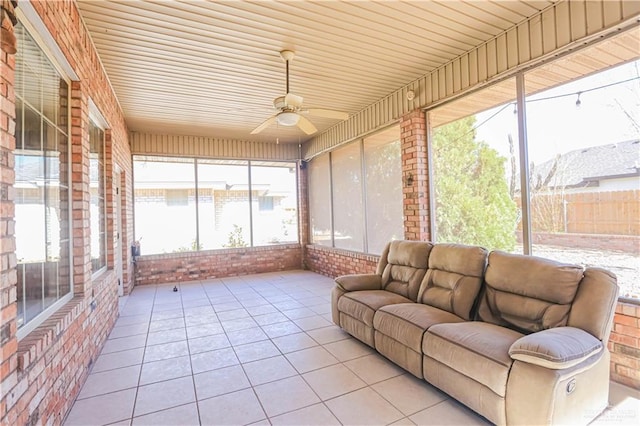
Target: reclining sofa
[518, 339]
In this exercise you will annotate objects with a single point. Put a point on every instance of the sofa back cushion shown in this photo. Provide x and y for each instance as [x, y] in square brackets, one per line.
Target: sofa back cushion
[528, 293]
[454, 278]
[403, 265]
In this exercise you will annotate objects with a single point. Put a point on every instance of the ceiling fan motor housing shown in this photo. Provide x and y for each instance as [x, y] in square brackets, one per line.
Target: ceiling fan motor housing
[278, 103]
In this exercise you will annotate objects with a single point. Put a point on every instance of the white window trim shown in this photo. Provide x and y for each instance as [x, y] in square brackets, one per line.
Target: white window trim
[34, 25]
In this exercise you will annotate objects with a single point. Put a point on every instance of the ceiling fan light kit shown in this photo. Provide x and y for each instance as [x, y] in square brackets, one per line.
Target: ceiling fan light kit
[288, 118]
[289, 108]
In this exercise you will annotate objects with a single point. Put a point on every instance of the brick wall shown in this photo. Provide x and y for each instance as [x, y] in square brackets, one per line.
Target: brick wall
[415, 176]
[334, 262]
[624, 345]
[8, 276]
[200, 265]
[41, 374]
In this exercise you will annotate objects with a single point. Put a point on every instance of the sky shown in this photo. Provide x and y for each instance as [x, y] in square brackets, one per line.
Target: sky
[556, 126]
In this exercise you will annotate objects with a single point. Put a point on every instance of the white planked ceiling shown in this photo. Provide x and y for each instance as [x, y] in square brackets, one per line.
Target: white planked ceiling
[212, 68]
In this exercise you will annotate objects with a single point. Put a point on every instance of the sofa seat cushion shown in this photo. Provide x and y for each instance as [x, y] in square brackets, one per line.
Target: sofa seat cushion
[407, 322]
[362, 305]
[477, 350]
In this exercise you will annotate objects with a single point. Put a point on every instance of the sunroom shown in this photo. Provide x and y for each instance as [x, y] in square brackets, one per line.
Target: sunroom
[181, 182]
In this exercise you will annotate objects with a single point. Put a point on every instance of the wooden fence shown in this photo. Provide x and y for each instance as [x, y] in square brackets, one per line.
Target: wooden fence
[608, 213]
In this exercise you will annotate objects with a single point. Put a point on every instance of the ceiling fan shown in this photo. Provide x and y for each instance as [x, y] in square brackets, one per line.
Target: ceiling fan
[290, 109]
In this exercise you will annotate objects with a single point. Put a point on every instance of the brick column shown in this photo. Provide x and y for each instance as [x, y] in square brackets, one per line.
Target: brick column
[8, 275]
[80, 195]
[415, 176]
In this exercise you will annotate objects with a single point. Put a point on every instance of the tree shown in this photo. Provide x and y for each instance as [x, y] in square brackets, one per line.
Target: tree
[473, 205]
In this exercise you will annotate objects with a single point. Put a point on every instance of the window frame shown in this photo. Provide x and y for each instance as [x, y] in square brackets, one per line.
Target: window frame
[196, 161]
[97, 119]
[40, 36]
[361, 146]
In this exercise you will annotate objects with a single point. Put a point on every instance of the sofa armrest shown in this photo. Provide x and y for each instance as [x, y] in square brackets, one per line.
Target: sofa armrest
[357, 282]
[555, 348]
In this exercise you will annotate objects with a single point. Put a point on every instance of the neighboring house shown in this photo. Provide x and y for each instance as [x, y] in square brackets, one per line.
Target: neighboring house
[611, 167]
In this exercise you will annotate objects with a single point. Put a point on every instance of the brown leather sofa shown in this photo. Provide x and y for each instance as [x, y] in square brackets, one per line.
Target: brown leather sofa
[519, 339]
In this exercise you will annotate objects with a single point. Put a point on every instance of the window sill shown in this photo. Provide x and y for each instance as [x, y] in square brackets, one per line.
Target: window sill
[40, 340]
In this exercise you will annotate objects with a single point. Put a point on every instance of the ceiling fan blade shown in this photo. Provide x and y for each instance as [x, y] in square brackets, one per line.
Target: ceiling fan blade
[292, 100]
[327, 113]
[268, 122]
[306, 126]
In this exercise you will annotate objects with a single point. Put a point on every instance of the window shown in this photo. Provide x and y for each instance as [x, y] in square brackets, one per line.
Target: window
[98, 208]
[474, 144]
[201, 204]
[584, 181]
[165, 205]
[275, 206]
[383, 195]
[41, 185]
[348, 212]
[320, 201]
[355, 200]
[223, 204]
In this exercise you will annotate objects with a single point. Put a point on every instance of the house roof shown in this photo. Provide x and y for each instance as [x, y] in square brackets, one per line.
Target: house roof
[586, 167]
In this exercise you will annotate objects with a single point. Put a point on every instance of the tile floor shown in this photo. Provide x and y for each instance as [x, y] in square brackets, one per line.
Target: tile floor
[257, 350]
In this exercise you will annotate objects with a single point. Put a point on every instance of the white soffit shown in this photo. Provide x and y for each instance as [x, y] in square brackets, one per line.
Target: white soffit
[208, 68]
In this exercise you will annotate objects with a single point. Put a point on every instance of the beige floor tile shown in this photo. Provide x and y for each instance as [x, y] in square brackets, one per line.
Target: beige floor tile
[269, 370]
[281, 329]
[333, 381]
[174, 313]
[374, 368]
[262, 310]
[228, 306]
[110, 381]
[232, 315]
[249, 335]
[311, 359]
[166, 336]
[403, 422]
[329, 334]
[317, 414]
[624, 408]
[199, 315]
[166, 324]
[449, 412]
[208, 343]
[299, 313]
[238, 324]
[212, 360]
[363, 407]
[237, 408]
[294, 342]
[158, 371]
[132, 319]
[255, 351]
[111, 361]
[285, 395]
[348, 349]
[166, 351]
[201, 330]
[409, 394]
[220, 381]
[271, 318]
[129, 330]
[311, 323]
[91, 411]
[184, 415]
[163, 395]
